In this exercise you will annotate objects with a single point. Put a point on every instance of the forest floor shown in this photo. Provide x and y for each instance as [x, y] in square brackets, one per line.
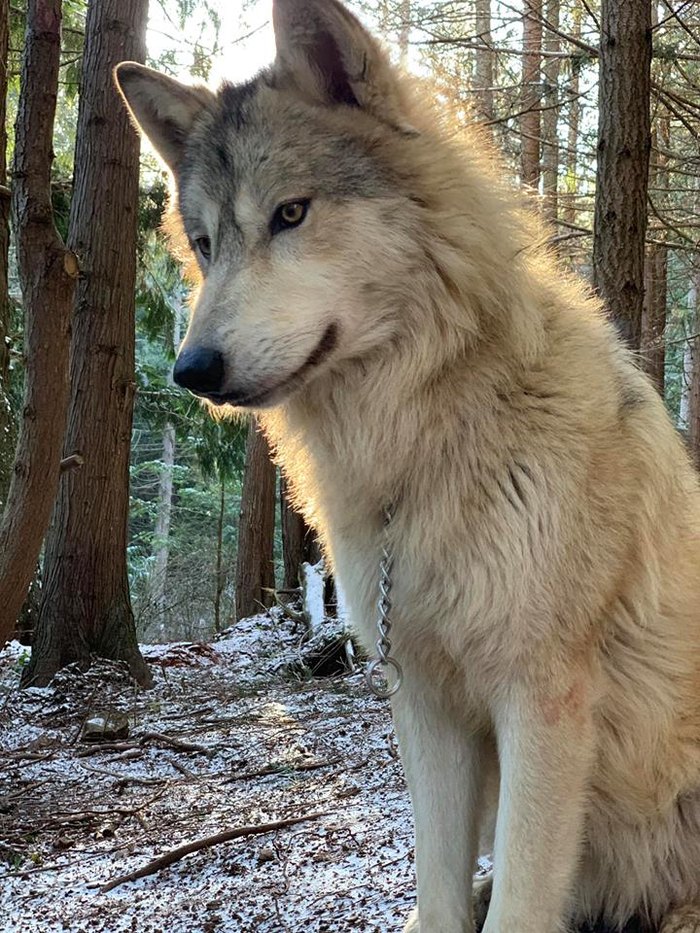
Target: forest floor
[225, 740]
[228, 739]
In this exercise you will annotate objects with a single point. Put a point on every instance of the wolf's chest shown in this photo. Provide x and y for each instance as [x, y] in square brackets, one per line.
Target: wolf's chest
[450, 605]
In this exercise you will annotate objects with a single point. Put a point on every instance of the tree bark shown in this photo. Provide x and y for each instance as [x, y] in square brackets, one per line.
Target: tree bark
[220, 575]
[7, 432]
[694, 387]
[653, 326]
[550, 113]
[159, 572]
[624, 142]
[569, 212]
[404, 30]
[299, 543]
[48, 273]
[255, 570]
[531, 90]
[85, 608]
[483, 60]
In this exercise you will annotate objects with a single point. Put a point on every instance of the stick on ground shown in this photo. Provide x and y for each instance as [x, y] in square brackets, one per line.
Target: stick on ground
[174, 855]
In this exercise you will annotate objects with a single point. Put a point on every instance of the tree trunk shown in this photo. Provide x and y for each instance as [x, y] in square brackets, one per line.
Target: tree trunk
[404, 31]
[159, 571]
[48, 274]
[550, 114]
[255, 569]
[686, 380]
[220, 575]
[298, 540]
[653, 325]
[483, 61]
[531, 104]
[623, 162]
[694, 387]
[85, 607]
[7, 432]
[652, 345]
[569, 212]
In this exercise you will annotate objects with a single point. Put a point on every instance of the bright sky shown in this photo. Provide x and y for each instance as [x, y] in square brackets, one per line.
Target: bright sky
[245, 42]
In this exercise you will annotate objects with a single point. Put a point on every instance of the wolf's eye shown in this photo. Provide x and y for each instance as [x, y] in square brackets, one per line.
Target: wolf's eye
[203, 246]
[289, 215]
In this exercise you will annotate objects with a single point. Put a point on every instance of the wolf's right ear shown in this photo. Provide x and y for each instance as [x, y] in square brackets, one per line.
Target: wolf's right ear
[163, 108]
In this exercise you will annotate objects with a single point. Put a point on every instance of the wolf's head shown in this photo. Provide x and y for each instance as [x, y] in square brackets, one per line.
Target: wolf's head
[297, 211]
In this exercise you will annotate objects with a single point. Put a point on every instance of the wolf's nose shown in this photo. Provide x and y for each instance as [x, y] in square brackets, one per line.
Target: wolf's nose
[201, 370]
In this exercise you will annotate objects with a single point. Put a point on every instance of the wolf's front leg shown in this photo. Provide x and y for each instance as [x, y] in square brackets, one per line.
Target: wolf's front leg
[441, 759]
[546, 749]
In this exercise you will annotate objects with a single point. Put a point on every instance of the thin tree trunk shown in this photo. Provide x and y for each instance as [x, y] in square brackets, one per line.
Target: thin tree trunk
[299, 543]
[7, 432]
[569, 212]
[483, 61]
[623, 162]
[48, 273]
[404, 30]
[694, 367]
[687, 379]
[255, 570]
[159, 571]
[531, 90]
[220, 575]
[652, 348]
[550, 113]
[652, 345]
[85, 608]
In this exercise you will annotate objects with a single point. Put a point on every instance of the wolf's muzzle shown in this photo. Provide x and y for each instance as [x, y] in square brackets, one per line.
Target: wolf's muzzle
[201, 370]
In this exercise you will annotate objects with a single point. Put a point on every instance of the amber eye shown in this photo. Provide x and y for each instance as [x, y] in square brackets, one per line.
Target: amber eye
[289, 215]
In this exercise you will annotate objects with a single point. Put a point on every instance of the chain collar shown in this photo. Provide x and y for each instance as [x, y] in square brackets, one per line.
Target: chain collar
[384, 668]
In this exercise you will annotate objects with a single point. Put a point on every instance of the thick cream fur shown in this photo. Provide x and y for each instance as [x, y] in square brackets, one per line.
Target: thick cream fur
[547, 546]
[546, 597]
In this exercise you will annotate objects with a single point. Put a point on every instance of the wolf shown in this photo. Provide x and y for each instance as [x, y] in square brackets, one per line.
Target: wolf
[374, 291]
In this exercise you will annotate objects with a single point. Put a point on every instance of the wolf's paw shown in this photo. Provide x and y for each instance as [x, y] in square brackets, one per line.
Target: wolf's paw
[682, 920]
[412, 925]
[481, 898]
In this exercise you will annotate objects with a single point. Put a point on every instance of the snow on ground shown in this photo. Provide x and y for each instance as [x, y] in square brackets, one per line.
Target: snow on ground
[259, 746]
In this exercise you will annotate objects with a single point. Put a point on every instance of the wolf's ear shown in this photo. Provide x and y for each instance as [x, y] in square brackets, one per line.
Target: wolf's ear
[164, 109]
[329, 56]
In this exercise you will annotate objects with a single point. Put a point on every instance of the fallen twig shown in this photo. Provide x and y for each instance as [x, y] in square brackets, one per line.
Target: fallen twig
[175, 855]
[181, 768]
[281, 767]
[124, 778]
[174, 743]
[96, 747]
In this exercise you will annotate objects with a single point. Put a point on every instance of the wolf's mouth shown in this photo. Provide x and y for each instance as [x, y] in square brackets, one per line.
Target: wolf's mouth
[325, 346]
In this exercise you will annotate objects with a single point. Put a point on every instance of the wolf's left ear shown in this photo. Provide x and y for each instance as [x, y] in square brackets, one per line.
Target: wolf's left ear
[164, 109]
[329, 56]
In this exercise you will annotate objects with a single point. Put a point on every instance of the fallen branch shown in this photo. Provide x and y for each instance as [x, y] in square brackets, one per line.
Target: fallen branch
[120, 748]
[123, 778]
[282, 767]
[175, 855]
[174, 743]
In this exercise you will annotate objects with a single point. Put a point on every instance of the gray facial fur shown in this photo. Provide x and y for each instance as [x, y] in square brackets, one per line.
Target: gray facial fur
[275, 144]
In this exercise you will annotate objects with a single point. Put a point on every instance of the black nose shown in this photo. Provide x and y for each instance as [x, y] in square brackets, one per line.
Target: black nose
[200, 370]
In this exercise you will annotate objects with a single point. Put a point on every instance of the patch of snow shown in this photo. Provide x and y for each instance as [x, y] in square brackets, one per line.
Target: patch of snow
[313, 582]
[222, 740]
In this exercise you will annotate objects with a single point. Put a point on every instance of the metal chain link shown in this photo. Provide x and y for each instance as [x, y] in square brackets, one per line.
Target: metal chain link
[379, 670]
